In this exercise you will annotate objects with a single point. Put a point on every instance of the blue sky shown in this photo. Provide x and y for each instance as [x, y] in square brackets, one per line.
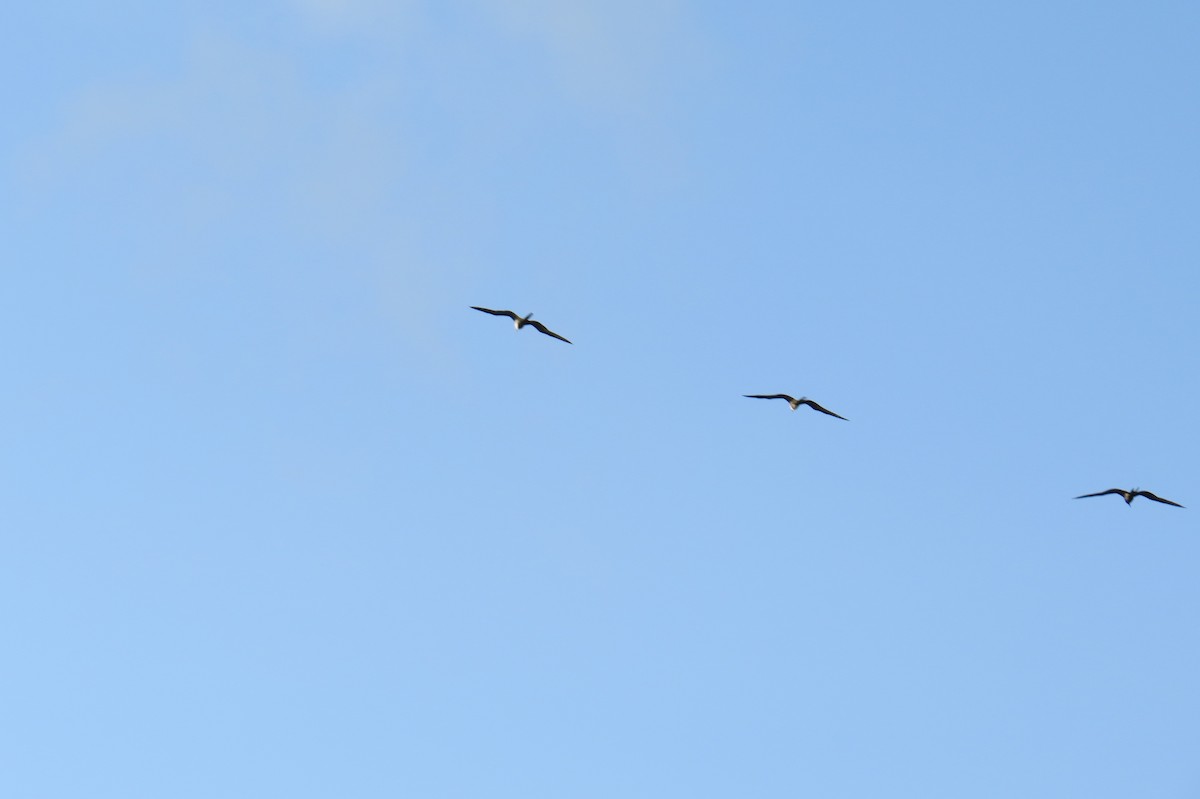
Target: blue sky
[283, 517]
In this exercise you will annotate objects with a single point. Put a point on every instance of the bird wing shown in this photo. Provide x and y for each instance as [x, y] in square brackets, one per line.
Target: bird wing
[1101, 493]
[509, 314]
[1148, 495]
[543, 329]
[817, 407]
[771, 396]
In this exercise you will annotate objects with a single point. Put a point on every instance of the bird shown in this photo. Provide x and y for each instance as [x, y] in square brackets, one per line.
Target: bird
[520, 322]
[796, 403]
[1129, 495]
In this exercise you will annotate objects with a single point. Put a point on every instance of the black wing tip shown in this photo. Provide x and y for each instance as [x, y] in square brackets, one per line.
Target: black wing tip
[1102, 493]
[494, 312]
[1157, 498]
[817, 407]
[538, 326]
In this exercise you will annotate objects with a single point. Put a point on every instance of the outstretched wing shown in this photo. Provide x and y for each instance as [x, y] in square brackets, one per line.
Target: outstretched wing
[1148, 495]
[543, 329]
[817, 407]
[770, 396]
[1102, 493]
[509, 314]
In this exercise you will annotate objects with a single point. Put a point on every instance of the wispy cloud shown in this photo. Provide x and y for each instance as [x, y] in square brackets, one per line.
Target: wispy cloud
[613, 52]
[357, 17]
[608, 53]
[233, 117]
[247, 114]
[383, 153]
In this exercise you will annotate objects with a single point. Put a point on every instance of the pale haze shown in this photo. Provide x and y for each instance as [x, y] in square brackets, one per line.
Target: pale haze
[281, 516]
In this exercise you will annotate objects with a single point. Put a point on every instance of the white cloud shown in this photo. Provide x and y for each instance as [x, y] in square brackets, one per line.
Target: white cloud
[234, 127]
[385, 164]
[612, 51]
[370, 17]
[240, 162]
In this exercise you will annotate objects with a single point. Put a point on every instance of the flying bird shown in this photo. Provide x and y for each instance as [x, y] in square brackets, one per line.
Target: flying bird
[796, 403]
[1129, 495]
[520, 322]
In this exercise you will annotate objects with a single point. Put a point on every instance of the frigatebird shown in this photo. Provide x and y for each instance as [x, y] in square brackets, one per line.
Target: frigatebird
[520, 322]
[796, 403]
[1129, 495]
